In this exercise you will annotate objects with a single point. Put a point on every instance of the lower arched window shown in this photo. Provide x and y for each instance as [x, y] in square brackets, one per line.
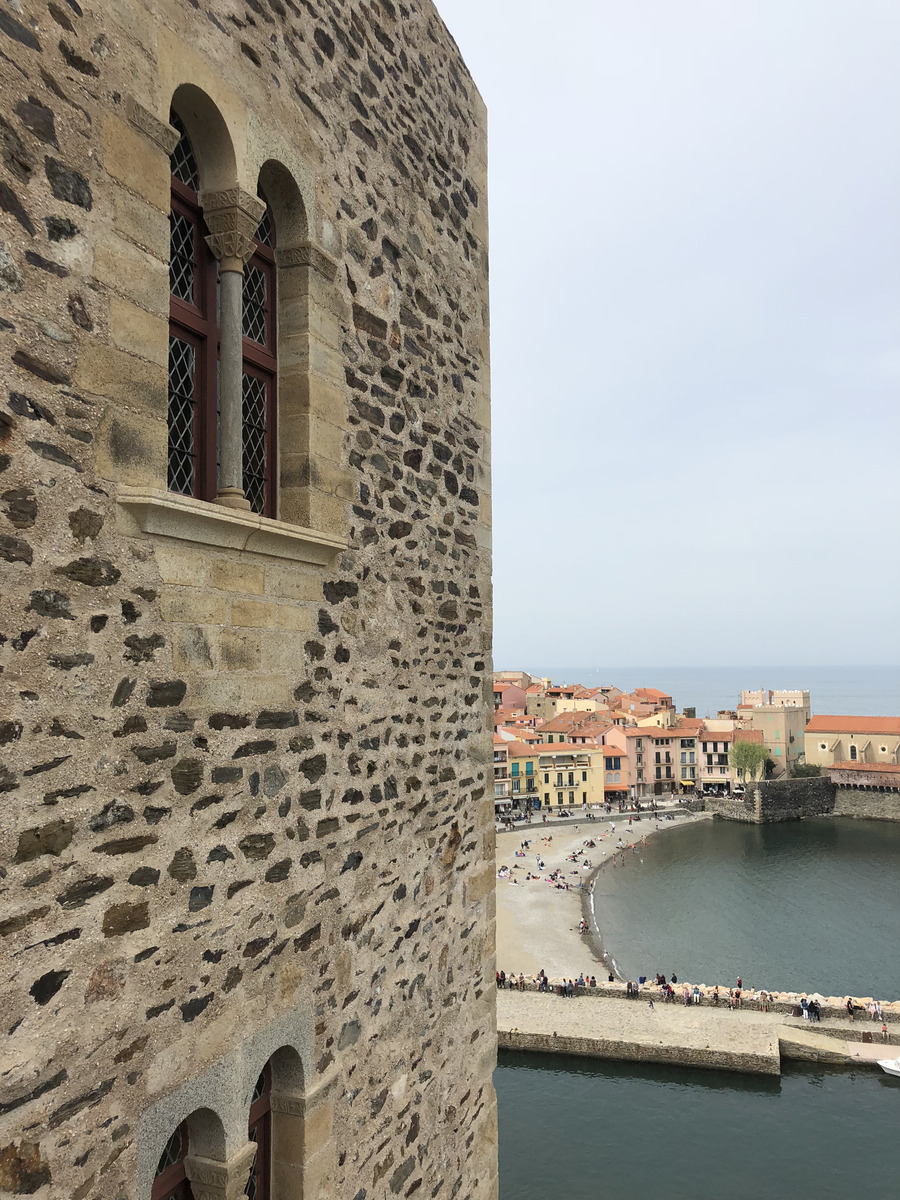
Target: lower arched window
[260, 1131]
[171, 1182]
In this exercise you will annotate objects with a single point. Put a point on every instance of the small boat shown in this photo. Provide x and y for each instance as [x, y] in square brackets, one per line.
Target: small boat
[890, 1065]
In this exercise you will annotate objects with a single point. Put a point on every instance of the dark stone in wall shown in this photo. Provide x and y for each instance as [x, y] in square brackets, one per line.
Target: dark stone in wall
[126, 918]
[51, 838]
[44, 989]
[85, 889]
[67, 184]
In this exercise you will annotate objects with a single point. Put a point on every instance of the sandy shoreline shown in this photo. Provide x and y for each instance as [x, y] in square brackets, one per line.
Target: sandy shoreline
[537, 924]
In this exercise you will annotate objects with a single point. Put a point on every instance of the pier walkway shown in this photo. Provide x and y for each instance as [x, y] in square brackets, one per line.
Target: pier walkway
[693, 1035]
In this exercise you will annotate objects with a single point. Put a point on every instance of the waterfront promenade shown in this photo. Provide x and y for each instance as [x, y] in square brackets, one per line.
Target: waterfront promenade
[598, 1026]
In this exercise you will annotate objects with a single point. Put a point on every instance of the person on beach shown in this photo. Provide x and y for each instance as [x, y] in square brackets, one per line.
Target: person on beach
[716, 995]
[849, 1008]
[650, 1005]
[696, 994]
[885, 1036]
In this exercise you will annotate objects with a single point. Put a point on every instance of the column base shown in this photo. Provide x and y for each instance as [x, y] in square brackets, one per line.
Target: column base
[232, 498]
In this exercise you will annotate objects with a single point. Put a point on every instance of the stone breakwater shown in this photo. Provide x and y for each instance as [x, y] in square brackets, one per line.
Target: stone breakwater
[750, 1041]
[782, 1003]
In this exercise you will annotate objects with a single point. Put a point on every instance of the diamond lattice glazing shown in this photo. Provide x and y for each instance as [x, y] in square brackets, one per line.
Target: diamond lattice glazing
[264, 229]
[182, 399]
[254, 304]
[254, 392]
[182, 265]
[172, 1153]
[184, 165]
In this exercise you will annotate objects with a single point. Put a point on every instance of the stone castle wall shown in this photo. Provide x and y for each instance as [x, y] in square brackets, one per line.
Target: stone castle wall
[245, 766]
[794, 799]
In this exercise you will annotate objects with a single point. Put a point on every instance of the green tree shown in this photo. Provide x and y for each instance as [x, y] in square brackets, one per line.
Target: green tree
[805, 770]
[748, 760]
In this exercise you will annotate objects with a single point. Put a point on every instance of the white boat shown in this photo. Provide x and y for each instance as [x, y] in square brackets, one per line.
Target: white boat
[890, 1065]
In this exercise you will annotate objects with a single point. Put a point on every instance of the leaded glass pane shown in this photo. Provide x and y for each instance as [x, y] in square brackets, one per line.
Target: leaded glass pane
[184, 165]
[264, 229]
[254, 394]
[251, 1187]
[254, 304]
[182, 401]
[182, 263]
[172, 1153]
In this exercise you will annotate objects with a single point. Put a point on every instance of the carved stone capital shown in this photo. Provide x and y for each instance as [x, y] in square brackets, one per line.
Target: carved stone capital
[290, 1106]
[159, 132]
[232, 217]
[307, 255]
[212, 1180]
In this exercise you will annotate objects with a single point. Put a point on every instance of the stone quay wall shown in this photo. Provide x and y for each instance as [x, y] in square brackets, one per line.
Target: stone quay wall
[245, 765]
[711, 1058]
[796, 799]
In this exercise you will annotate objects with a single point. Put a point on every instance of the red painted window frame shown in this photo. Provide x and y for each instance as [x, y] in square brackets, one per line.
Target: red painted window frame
[260, 1118]
[173, 1183]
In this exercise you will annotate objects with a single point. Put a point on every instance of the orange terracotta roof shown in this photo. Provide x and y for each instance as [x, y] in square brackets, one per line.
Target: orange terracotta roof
[749, 735]
[568, 748]
[832, 724]
[893, 768]
[520, 750]
[652, 692]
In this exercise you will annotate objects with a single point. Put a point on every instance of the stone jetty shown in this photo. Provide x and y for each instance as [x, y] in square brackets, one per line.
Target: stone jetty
[602, 1022]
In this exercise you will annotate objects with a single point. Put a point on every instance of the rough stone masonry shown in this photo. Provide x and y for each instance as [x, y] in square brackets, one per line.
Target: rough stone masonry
[246, 833]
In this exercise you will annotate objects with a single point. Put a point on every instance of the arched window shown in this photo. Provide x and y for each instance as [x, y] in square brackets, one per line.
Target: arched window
[260, 1131]
[195, 348]
[171, 1182]
[193, 333]
[260, 364]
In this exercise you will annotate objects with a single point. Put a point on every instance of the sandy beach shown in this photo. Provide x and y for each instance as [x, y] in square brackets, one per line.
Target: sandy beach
[537, 923]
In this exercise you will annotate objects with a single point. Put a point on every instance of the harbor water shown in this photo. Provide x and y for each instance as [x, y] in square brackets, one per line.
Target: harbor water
[800, 906]
[580, 1128]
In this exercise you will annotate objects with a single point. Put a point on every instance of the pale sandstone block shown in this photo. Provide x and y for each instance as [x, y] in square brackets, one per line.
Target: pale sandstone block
[131, 448]
[139, 332]
[293, 583]
[134, 160]
[132, 382]
[252, 612]
[177, 564]
[193, 606]
[132, 272]
[230, 575]
[241, 692]
[281, 650]
[140, 222]
[290, 616]
[239, 650]
[192, 648]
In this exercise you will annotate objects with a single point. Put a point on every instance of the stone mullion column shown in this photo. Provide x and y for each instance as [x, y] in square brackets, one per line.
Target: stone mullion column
[232, 217]
[214, 1180]
[303, 1150]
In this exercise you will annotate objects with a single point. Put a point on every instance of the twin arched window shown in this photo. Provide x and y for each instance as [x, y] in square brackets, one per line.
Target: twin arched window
[171, 1182]
[195, 348]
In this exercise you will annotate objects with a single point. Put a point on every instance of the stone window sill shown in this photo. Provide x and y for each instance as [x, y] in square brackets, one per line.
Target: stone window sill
[166, 514]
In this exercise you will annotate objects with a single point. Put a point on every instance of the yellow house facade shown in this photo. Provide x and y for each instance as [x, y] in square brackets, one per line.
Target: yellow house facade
[559, 776]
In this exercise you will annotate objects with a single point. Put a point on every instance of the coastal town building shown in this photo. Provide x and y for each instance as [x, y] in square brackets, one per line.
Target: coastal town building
[509, 696]
[247, 827]
[782, 728]
[831, 739]
[570, 775]
[783, 698]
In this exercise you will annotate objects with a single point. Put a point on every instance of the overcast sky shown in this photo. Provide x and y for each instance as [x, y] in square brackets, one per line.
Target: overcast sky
[695, 279]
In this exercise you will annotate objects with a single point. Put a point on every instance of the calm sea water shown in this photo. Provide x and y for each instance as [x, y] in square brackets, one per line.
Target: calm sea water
[578, 1129]
[872, 691]
[800, 906]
